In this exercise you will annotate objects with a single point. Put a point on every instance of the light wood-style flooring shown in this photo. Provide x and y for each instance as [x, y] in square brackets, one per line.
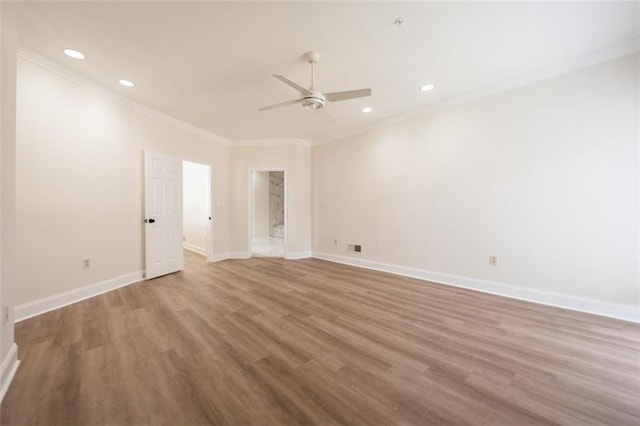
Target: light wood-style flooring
[269, 341]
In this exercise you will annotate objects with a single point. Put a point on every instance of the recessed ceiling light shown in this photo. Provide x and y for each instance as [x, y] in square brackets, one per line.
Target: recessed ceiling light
[427, 87]
[74, 54]
[367, 109]
[126, 83]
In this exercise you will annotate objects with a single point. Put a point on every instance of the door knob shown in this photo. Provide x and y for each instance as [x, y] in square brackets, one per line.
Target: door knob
[149, 221]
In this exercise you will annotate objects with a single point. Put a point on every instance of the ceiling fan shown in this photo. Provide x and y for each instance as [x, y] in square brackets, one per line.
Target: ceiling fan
[313, 98]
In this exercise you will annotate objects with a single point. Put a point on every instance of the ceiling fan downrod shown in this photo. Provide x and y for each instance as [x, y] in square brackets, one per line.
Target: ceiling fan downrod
[313, 58]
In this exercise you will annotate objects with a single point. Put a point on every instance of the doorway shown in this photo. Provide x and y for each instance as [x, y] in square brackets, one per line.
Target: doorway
[267, 224]
[196, 207]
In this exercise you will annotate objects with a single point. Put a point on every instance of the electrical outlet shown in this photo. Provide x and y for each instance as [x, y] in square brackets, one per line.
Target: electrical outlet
[493, 260]
[5, 315]
[86, 263]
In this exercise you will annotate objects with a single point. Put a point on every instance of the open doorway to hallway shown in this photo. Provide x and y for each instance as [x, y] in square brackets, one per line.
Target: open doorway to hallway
[196, 207]
[269, 228]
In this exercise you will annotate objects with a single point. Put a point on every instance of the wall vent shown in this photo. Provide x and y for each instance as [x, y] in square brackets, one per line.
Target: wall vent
[354, 247]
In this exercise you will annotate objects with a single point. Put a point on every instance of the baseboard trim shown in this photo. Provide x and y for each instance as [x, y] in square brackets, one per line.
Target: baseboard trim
[8, 370]
[297, 255]
[229, 255]
[575, 303]
[239, 255]
[247, 255]
[218, 257]
[194, 249]
[40, 306]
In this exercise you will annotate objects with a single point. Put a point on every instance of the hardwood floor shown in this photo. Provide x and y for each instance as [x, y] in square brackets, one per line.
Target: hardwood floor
[269, 341]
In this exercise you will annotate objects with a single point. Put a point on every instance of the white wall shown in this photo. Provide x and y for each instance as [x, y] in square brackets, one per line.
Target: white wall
[543, 176]
[8, 40]
[80, 183]
[296, 159]
[260, 205]
[195, 199]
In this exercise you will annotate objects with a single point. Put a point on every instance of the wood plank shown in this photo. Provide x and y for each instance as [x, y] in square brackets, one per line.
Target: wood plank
[270, 341]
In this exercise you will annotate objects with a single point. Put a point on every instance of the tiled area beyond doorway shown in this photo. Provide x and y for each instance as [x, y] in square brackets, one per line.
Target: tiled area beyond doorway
[273, 247]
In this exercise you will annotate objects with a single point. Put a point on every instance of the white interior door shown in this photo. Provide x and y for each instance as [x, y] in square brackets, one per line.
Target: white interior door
[163, 215]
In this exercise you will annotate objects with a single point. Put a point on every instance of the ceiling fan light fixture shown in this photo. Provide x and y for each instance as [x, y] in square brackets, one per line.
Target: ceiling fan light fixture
[313, 101]
[427, 87]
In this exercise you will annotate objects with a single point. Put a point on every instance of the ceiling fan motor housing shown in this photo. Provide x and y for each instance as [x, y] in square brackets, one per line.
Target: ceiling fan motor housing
[315, 100]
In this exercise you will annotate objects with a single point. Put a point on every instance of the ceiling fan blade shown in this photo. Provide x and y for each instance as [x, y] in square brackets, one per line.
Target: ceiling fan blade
[281, 104]
[324, 112]
[293, 84]
[349, 94]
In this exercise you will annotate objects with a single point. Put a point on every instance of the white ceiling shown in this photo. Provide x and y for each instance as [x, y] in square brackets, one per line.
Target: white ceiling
[210, 64]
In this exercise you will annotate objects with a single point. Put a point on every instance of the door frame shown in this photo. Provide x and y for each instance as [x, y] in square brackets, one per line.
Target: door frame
[250, 205]
[210, 245]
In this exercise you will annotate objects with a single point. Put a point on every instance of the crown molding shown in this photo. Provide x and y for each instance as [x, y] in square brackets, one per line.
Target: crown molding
[272, 142]
[89, 84]
[573, 64]
[610, 53]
